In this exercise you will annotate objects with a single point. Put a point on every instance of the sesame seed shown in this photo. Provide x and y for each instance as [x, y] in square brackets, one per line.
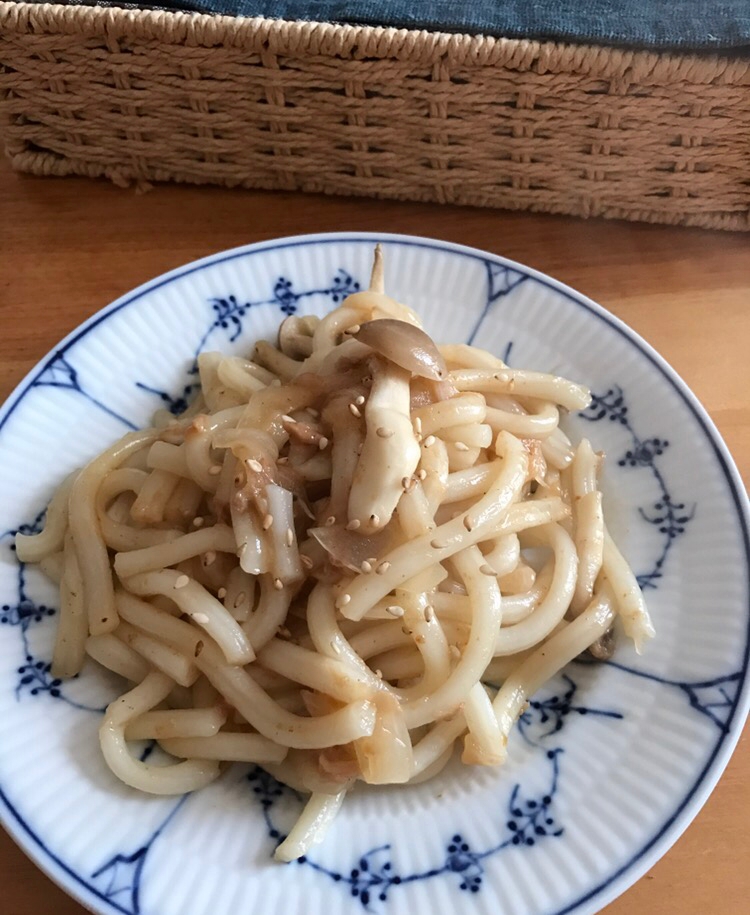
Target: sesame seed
[422, 473]
[322, 443]
[306, 561]
[429, 613]
[461, 446]
[287, 418]
[359, 400]
[383, 568]
[354, 329]
[429, 441]
[379, 674]
[354, 524]
[267, 522]
[182, 581]
[438, 544]
[486, 569]
[375, 520]
[255, 465]
[366, 567]
[209, 557]
[500, 376]
[383, 432]
[343, 600]
[289, 536]
[282, 460]
[198, 521]
[335, 646]
[240, 599]
[406, 630]
[313, 412]
[221, 593]
[455, 651]
[354, 410]
[395, 610]
[215, 470]
[468, 523]
[418, 425]
[278, 584]
[200, 618]
[330, 520]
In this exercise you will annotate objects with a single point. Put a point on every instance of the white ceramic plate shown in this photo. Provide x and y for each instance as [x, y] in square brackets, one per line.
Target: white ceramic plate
[607, 767]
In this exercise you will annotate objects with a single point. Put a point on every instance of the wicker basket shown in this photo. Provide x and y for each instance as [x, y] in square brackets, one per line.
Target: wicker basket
[143, 96]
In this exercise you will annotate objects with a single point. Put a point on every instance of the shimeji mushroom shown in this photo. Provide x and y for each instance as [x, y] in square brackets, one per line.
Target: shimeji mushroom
[390, 451]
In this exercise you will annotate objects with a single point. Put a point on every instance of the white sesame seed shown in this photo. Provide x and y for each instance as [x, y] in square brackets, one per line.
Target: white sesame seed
[255, 465]
[455, 651]
[215, 470]
[322, 443]
[200, 618]
[209, 557]
[375, 520]
[366, 567]
[468, 523]
[343, 600]
[330, 520]
[438, 544]
[383, 567]
[354, 524]
[354, 410]
[221, 593]
[278, 584]
[289, 536]
[500, 376]
[335, 646]
[354, 329]
[198, 521]
[282, 460]
[313, 412]
[306, 561]
[461, 446]
[422, 473]
[379, 674]
[240, 599]
[429, 613]
[429, 441]
[486, 569]
[383, 432]
[267, 522]
[359, 400]
[182, 581]
[287, 418]
[418, 425]
[395, 610]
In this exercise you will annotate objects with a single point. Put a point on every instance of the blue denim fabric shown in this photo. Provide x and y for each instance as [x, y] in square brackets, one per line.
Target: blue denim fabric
[684, 24]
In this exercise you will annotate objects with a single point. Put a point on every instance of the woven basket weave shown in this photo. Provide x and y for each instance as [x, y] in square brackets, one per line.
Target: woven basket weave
[139, 96]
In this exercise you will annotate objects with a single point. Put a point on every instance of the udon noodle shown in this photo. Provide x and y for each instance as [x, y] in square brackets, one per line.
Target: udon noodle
[352, 553]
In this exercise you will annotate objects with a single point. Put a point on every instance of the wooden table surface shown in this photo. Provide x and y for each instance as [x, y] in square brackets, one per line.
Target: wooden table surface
[69, 246]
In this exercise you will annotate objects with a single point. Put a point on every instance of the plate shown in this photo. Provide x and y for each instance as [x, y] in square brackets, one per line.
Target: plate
[607, 766]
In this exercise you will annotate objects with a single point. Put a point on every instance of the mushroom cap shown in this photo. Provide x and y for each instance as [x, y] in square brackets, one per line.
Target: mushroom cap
[405, 345]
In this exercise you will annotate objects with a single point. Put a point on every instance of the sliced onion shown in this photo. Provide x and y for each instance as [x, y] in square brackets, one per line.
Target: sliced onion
[405, 345]
[350, 549]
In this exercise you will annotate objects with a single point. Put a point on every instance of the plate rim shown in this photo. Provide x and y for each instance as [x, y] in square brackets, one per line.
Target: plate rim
[659, 844]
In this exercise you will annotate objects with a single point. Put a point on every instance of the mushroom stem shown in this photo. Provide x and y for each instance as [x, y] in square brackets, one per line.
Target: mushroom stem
[377, 276]
[390, 450]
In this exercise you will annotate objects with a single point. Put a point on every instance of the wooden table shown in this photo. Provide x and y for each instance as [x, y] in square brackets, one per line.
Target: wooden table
[69, 246]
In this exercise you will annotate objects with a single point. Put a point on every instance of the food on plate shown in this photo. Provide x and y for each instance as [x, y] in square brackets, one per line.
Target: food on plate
[354, 552]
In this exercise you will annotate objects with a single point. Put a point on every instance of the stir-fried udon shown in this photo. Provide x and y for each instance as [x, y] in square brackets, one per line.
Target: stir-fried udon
[354, 553]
